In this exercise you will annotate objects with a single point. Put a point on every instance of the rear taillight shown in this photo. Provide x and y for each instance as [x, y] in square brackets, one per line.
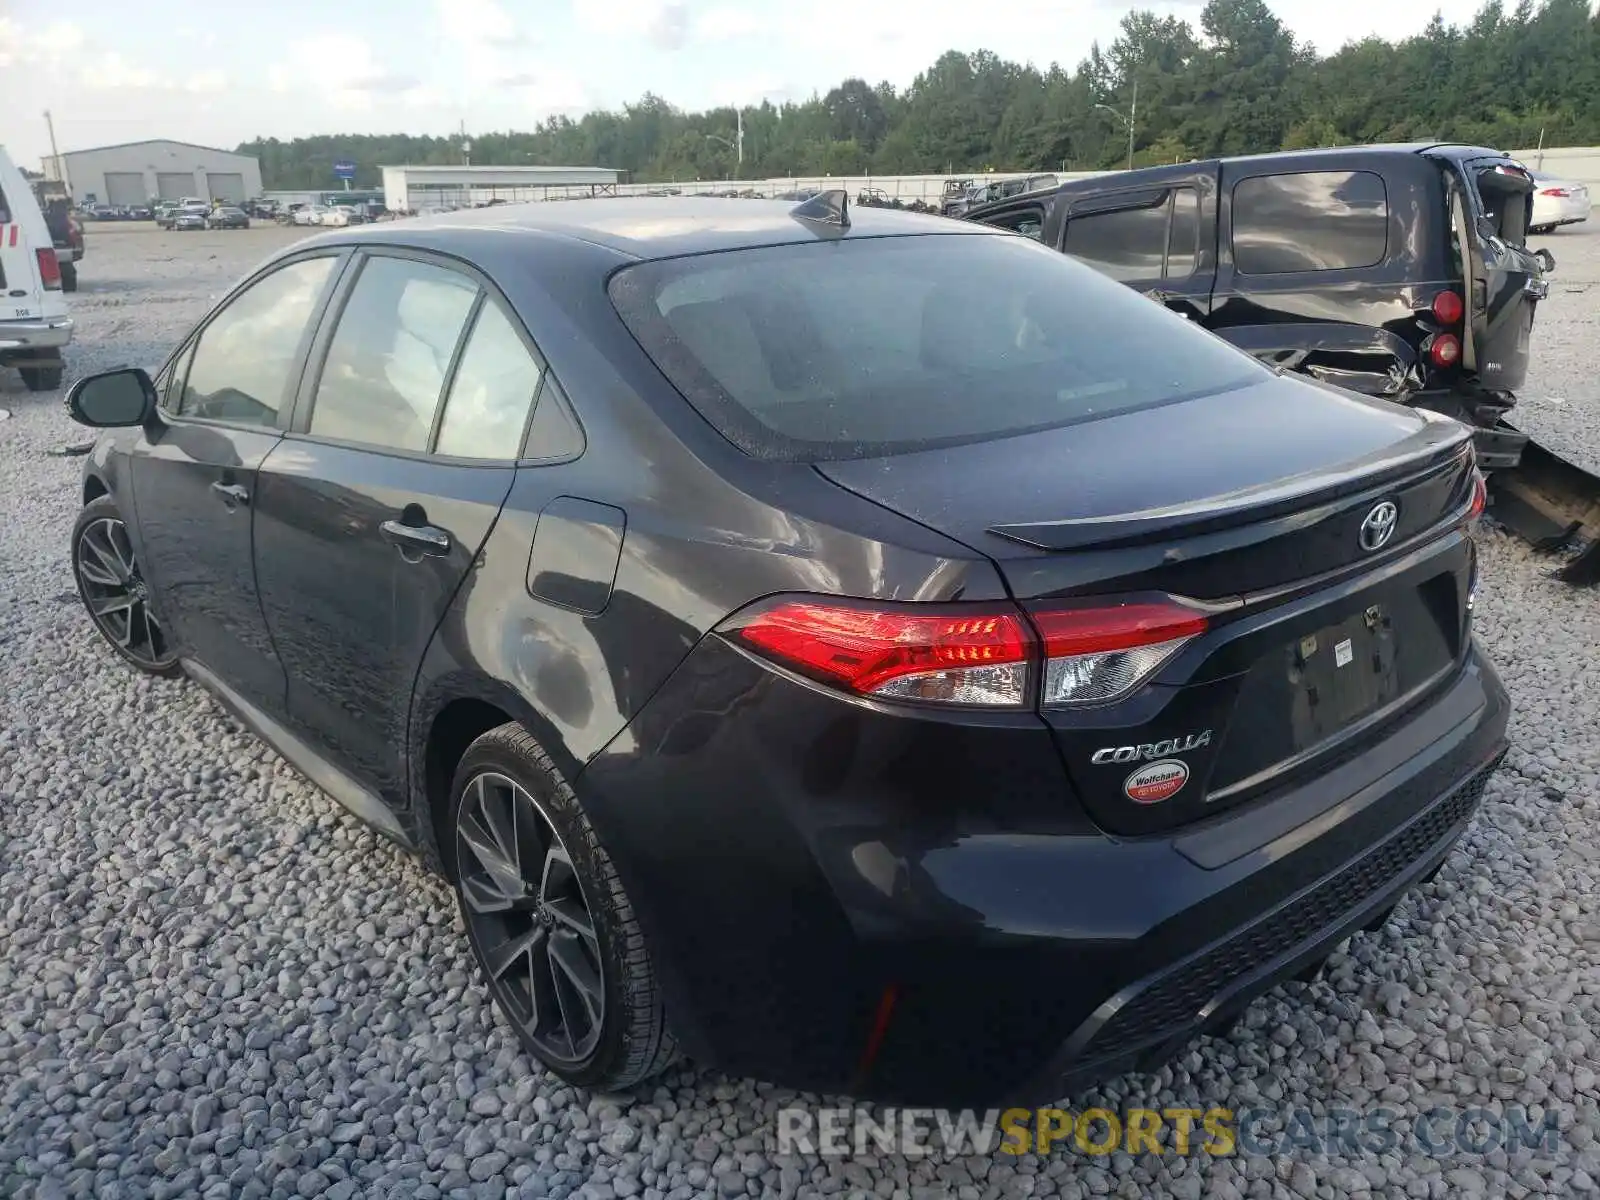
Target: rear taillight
[49, 270]
[980, 655]
[1445, 350]
[1562, 193]
[1096, 655]
[1480, 496]
[1447, 308]
[958, 655]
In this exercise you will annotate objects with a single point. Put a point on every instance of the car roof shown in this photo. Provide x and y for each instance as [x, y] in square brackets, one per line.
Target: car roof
[663, 226]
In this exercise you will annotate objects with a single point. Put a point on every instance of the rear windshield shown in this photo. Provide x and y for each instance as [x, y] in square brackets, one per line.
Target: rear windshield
[858, 347]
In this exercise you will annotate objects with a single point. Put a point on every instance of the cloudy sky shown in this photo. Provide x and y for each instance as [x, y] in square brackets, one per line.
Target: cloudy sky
[220, 73]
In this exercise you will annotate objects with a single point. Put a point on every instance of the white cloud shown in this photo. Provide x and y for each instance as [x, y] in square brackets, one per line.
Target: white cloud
[728, 22]
[663, 23]
[48, 47]
[344, 57]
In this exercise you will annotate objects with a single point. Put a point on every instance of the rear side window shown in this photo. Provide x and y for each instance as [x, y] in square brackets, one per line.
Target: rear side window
[1310, 221]
[391, 353]
[1155, 239]
[856, 347]
[491, 393]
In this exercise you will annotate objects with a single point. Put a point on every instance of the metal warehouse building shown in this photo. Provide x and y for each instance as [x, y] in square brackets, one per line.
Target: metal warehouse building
[138, 172]
[424, 188]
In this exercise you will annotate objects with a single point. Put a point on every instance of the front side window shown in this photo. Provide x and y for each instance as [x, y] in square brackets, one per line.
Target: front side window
[494, 386]
[870, 346]
[391, 352]
[242, 364]
[1310, 221]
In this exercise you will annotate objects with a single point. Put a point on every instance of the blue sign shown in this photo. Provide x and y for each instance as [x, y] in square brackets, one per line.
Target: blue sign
[344, 169]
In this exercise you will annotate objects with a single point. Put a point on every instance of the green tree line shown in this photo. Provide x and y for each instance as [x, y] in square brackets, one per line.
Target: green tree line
[1240, 83]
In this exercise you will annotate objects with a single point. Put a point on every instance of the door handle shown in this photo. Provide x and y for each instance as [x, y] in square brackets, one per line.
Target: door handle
[231, 493]
[428, 539]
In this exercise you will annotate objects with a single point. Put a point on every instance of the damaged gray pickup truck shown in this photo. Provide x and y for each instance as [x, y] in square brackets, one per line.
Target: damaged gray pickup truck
[1400, 271]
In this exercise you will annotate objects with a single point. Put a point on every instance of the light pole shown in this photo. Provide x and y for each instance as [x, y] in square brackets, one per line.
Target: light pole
[61, 166]
[737, 143]
[1127, 118]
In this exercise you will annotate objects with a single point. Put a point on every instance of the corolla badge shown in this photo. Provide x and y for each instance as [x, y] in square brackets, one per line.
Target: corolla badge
[1157, 782]
[1150, 751]
[1378, 526]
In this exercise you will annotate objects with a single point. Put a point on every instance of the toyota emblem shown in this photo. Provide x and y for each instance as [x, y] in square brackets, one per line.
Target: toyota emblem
[1378, 527]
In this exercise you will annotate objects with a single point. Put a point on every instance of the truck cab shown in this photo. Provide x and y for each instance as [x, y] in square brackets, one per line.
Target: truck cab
[1398, 271]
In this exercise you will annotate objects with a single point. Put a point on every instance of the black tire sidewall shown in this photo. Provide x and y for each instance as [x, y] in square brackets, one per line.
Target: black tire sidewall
[560, 805]
[98, 509]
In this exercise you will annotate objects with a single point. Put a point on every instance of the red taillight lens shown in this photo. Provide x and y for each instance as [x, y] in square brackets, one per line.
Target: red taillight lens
[1480, 496]
[1445, 350]
[1096, 655]
[49, 270]
[1447, 307]
[954, 656]
[1560, 192]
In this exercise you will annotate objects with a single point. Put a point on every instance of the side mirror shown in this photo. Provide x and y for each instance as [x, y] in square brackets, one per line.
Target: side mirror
[1547, 261]
[113, 399]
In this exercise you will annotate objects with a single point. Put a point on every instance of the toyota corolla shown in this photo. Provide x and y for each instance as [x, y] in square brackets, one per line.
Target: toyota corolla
[793, 663]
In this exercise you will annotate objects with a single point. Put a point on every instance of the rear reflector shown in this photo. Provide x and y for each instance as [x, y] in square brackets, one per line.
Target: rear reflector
[1445, 351]
[1097, 655]
[1447, 307]
[948, 656]
[49, 270]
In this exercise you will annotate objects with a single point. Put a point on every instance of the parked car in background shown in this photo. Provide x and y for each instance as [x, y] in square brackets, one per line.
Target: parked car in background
[306, 214]
[228, 217]
[138, 212]
[332, 215]
[102, 212]
[189, 219]
[1399, 271]
[66, 231]
[163, 214]
[1065, 723]
[1558, 202]
[34, 325]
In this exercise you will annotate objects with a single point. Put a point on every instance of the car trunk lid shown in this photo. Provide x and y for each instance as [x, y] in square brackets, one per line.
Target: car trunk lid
[1314, 635]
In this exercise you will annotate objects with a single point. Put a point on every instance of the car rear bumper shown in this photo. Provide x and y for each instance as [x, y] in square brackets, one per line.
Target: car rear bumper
[843, 898]
[46, 333]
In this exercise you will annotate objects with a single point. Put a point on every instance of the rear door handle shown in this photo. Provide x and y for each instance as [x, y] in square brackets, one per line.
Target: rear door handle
[428, 539]
[231, 493]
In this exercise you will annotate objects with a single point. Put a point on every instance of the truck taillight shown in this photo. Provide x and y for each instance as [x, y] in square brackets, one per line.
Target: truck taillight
[1447, 308]
[1445, 350]
[49, 269]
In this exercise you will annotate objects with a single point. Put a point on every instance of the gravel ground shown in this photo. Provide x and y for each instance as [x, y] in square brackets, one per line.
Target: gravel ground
[214, 982]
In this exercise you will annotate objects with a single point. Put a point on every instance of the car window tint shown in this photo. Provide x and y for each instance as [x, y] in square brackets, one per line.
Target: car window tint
[242, 362]
[553, 433]
[1029, 222]
[1184, 243]
[1125, 243]
[170, 385]
[387, 362]
[856, 347]
[1310, 221]
[492, 391]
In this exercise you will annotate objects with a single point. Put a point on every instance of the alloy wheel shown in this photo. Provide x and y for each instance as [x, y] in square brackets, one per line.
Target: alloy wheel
[529, 919]
[116, 594]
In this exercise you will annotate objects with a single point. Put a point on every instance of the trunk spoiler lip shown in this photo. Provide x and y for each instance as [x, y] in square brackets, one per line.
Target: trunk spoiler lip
[1443, 442]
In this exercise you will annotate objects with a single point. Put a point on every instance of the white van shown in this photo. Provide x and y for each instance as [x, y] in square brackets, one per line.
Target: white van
[34, 326]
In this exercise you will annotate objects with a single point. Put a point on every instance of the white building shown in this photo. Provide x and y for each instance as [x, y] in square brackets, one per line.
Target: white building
[138, 172]
[424, 188]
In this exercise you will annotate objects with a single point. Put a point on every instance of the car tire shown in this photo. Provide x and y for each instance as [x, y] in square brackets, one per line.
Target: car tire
[550, 925]
[41, 379]
[105, 570]
[69, 277]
